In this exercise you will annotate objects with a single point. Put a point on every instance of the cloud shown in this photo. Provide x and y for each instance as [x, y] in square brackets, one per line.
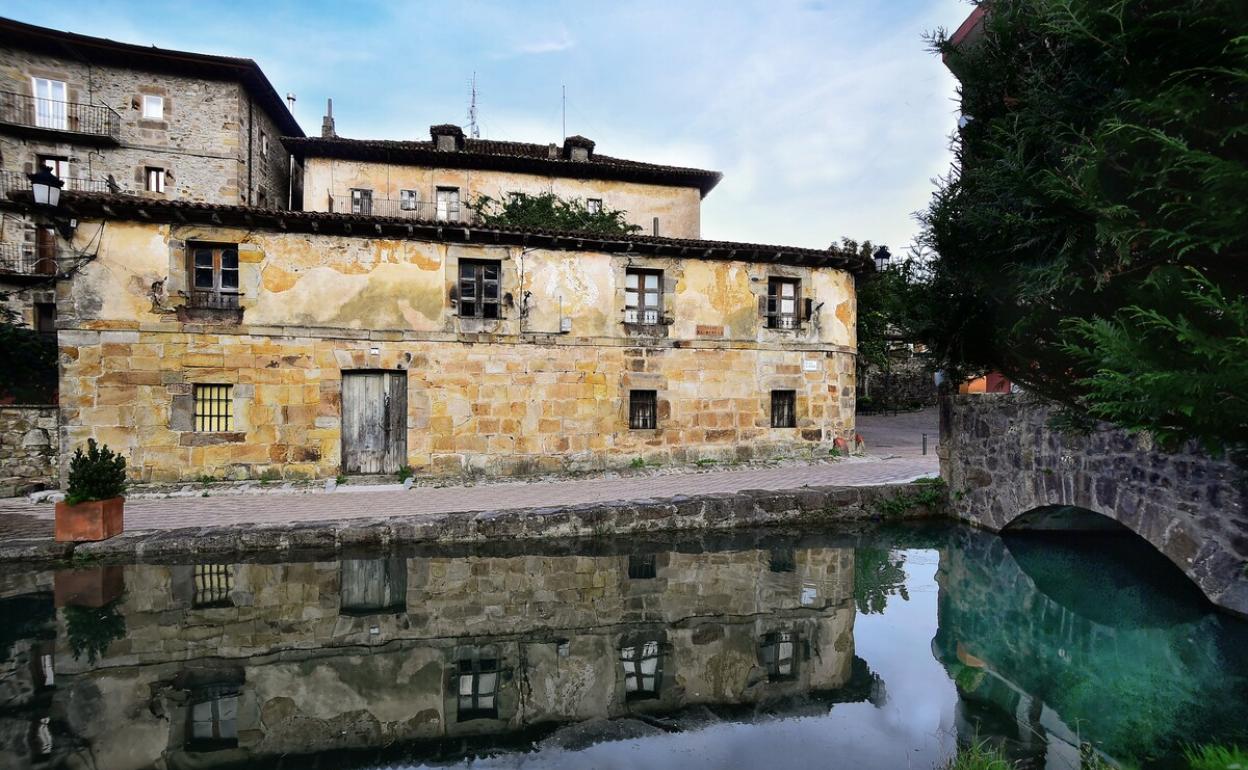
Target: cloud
[563, 42]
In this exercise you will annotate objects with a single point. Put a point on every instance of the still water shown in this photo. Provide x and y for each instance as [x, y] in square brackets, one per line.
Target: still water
[886, 648]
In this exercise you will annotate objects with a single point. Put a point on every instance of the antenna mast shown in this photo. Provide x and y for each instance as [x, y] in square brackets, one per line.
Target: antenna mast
[473, 130]
[565, 112]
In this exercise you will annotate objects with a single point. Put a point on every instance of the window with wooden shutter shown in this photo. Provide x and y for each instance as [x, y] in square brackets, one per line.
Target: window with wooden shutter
[214, 275]
[479, 288]
[643, 296]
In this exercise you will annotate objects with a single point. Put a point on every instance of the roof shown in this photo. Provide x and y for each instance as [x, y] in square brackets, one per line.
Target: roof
[98, 50]
[495, 155]
[133, 208]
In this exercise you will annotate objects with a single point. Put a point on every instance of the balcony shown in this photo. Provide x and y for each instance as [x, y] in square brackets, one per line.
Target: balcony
[26, 261]
[70, 121]
[429, 211]
[15, 181]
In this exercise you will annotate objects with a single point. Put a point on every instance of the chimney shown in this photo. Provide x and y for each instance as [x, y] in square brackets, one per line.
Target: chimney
[578, 148]
[327, 122]
[552, 151]
[447, 137]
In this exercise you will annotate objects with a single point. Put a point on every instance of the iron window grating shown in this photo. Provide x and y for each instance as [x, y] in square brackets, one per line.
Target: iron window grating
[784, 409]
[214, 408]
[477, 682]
[213, 584]
[643, 412]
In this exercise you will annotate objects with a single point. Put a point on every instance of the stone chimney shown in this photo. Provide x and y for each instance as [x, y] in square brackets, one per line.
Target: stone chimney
[447, 137]
[578, 148]
[327, 122]
[552, 151]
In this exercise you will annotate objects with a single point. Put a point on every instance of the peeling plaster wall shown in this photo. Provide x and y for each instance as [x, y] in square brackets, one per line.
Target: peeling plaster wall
[511, 396]
[678, 208]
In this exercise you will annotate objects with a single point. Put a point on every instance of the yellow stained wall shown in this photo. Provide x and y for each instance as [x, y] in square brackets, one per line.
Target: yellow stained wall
[678, 208]
[511, 396]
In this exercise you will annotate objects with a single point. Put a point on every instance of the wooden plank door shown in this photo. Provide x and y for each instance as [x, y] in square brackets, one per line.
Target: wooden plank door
[374, 421]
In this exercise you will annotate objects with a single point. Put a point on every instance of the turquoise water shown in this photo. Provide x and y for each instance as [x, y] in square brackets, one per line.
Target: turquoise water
[886, 648]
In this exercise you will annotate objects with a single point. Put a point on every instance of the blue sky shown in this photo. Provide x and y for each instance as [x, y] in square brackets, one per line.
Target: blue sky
[829, 118]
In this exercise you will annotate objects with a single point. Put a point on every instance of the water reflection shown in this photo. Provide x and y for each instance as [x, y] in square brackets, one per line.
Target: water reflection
[883, 650]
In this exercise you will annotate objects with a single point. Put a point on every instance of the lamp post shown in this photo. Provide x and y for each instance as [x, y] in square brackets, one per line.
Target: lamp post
[882, 258]
[46, 187]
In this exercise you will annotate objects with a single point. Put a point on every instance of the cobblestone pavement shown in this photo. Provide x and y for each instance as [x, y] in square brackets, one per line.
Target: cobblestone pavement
[20, 518]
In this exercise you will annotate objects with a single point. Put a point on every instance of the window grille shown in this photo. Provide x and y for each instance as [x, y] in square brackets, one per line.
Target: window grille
[643, 413]
[213, 584]
[214, 276]
[782, 560]
[784, 409]
[782, 311]
[214, 408]
[214, 719]
[361, 201]
[642, 567]
[478, 689]
[778, 655]
[643, 296]
[643, 669]
[479, 288]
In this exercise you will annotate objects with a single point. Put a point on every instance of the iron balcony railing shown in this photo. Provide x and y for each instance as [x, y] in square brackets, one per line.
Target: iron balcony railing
[11, 181]
[27, 259]
[213, 300]
[433, 211]
[33, 112]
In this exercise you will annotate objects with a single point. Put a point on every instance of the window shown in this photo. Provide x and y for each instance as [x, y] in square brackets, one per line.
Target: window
[643, 409]
[778, 655]
[515, 196]
[50, 99]
[408, 200]
[214, 279]
[213, 582]
[264, 145]
[153, 107]
[784, 409]
[448, 204]
[782, 303]
[782, 560]
[643, 296]
[155, 179]
[214, 409]
[642, 567]
[361, 201]
[478, 689]
[478, 288]
[214, 719]
[45, 317]
[643, 672]
[57, 164]
[594, 205]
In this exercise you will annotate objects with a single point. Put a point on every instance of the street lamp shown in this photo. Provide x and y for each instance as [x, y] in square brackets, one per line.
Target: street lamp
[882, 258]
[46, 187]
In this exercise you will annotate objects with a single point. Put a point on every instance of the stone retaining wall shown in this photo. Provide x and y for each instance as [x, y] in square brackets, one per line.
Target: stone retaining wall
[28, 454]
[1002, 459]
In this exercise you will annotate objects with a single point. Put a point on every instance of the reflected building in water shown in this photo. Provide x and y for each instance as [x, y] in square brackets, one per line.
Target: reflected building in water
[220, 663]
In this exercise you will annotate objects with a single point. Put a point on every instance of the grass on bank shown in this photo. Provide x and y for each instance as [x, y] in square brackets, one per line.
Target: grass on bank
[981, 756]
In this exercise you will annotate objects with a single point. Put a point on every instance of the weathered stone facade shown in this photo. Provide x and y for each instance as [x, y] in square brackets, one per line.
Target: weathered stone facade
[508, 396]
[314, 662]
[1002, 459]
[28, 448]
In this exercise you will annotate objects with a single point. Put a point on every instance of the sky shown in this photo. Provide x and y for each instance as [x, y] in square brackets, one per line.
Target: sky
[828, 118]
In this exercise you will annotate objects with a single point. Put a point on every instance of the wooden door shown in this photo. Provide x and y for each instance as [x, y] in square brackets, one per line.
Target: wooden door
[374, 421]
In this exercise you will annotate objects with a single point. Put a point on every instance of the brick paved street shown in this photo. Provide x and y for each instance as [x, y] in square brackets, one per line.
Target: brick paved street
[21, 519]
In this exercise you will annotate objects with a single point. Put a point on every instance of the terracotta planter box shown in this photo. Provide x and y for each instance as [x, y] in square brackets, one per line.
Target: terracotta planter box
[96, 520]
[94, 587]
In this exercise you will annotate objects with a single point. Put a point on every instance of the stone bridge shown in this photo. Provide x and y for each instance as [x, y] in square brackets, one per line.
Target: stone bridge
[1003, 463]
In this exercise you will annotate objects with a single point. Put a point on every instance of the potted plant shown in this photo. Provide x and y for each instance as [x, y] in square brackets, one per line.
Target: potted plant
[92, 509]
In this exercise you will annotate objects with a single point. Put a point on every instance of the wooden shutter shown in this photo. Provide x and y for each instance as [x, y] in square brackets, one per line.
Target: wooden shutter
[808, 308]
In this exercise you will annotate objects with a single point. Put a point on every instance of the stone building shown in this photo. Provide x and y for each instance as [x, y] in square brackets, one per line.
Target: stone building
[143, 121]
[223, 663]
[358, 343]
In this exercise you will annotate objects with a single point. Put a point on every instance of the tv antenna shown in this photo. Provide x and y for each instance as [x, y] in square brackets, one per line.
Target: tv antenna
[473, 130]
[564, 113]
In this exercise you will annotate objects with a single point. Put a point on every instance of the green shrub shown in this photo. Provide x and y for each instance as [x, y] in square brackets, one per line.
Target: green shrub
[341, 479]
[93, 629]
[405, 473]
[270, 474]
[637, 462]
[100, 474]
[1217, 758]
[978, 756]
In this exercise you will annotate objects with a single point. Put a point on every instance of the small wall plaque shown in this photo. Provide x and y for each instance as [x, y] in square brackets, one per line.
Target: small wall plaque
[709, 331]
[810, 365]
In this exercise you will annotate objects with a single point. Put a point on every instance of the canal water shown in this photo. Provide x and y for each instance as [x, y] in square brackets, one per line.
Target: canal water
[884, 648]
